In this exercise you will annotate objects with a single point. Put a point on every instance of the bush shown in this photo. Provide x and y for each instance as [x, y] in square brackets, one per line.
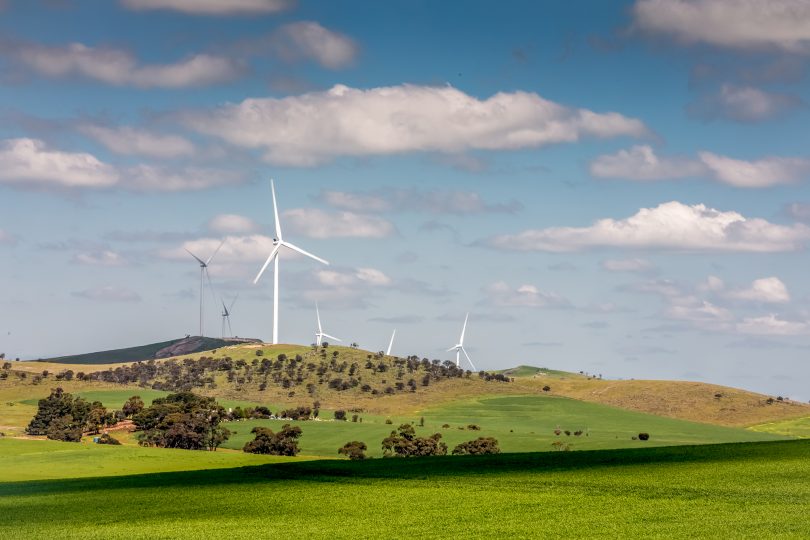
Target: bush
[354, 450]
[480, 446]
[298, 413]
[340, 415]
[445, 426]
[547, 388]
[283, 443]
[108, 439]
[643, 436]
[388, 421]
[473, 427]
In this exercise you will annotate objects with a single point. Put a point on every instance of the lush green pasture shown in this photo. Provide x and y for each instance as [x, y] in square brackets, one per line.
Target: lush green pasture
[41, 459]
[520, 423]
[797, 427]
[752, 490]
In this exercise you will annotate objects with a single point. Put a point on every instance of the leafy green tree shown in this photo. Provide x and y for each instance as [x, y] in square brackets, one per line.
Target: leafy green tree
[405, 443]
[283, 443]
[108, 439]
[65, 428]
[354, 450]
[479, 446]
[182, 420]
[58, 406]
[133, 406]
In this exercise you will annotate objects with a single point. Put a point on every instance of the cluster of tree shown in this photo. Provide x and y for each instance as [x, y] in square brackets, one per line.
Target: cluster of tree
[500, 377]
[404, 443]
[283, 443]
[63, 417]
[480, 446]
[182, 420]
[302, 372]
[354, 450]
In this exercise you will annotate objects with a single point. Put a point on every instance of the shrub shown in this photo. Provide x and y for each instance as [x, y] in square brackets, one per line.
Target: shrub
[445, 426]
[354, 450]
[108, 439]
[561, 446]
[643, 436]
[547, 388]
[480, 446]
[340, 415]
[388, 421]
[473, 427]
[259, 352]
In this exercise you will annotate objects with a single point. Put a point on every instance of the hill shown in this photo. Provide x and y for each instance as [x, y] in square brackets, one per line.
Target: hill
[164, 349]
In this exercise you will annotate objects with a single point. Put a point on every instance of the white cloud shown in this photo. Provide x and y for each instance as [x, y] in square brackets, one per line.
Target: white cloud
[253, 248]
[231, 223]
[745, 104]
[308, 39]
[212, 7]
[157, 178]
[764, 172]
[669, 226]
[502, 295]
[26, 162]
[100, 258]
[415, 200]
[641, 163]
[768, 290]
[108, 293]
[316, 127]
[131, 141]
[120, 68]
[627, 265]
[749, 24]
[771, 325]
[315, 223]
[358, 276]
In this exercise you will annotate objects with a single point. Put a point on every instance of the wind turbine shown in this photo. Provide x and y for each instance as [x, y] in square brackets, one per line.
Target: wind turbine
[319, 335]
[391, 343]
[459, 347]
[203, 274]
[279, 242]
[226, 316]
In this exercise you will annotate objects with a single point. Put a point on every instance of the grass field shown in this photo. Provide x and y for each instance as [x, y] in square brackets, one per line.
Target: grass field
[750, 490]
[798, 427]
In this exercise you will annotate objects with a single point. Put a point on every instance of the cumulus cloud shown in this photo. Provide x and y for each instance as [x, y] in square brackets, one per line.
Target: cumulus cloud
[627, 265]
[139, 142]
[120, 68]
[237, 249]
[641, 163]
[211, 7]
[744, 104]
[319, 126]
[231, 224]
[415, 200]
[772, 325]
[768, 290]
[341, 278]
[502, 295]
[25, 162]
[100, 258]
[745, 24]
[669, 226]
[108, 293]
[315, 223]
[766, 172]
[309, 40]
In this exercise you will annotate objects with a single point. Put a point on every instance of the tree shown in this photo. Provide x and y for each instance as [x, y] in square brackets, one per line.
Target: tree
[480, 446]
[133, 406]
[340, 415]
[283, 443]
[59, 405]
[65, 428]
[182, 420]
[354, 450]
[108, 439]
[405, 443]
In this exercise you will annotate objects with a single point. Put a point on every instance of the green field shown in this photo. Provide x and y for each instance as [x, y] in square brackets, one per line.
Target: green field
[797, 427]
[750, 490]
[520, 423]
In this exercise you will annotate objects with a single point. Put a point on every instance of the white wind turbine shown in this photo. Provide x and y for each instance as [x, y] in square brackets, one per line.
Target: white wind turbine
[203, 274]
[319, 335]
[391, 343]
[279, 242]
[459, 347]
[226, 316]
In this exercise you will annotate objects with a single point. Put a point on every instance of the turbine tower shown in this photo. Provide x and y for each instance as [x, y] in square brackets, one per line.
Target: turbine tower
[226, 316]
[391, 343]
[279, 242]
[319, 335]
[459, 347]
[203, 274]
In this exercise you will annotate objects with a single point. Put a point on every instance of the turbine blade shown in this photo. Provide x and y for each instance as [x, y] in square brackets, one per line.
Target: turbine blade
[453, 348]
[233, 302]
[224, 309]
[214, 253]
[275, 210]
[468, 358]
[210, 284]
[391, 343]
[198, 259]
[302, 252]
[463, 329]
[318, 315]
[273, 253]
[330, 337]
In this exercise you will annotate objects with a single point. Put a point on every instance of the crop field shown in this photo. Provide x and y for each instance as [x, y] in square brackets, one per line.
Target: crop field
[798, 427]
[753, 490]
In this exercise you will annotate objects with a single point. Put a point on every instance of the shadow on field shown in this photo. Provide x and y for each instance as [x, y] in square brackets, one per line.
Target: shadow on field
[424, 468]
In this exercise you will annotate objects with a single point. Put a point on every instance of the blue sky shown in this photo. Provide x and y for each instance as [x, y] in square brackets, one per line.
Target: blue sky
[615, 187]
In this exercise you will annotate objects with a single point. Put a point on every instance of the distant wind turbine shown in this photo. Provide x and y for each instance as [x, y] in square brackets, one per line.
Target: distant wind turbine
[204, 274]
[279, 242]
[226, 316]
[459, 347]
[391, 343]
[319, 335]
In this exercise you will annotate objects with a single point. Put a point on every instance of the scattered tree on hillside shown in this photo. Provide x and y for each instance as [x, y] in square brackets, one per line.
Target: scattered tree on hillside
[283, 443]
[340, 415]
[479, 446]
[354, 450]
[405, 443]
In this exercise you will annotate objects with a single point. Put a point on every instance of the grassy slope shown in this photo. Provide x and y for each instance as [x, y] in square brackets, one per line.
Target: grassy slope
[797, 427]
[757, 490]
[129, 354]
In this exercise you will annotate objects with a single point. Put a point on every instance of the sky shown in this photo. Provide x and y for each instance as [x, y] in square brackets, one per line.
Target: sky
[615, 187]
